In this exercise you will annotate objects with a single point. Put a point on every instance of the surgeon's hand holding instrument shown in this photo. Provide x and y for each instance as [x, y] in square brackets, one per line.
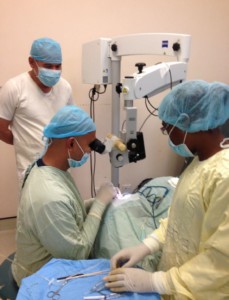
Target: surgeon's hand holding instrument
[106, 193]
[98, 288]
[129, 257]
[136, 280]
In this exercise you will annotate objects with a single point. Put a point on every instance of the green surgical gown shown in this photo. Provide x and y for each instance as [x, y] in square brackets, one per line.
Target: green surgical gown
[52, 221]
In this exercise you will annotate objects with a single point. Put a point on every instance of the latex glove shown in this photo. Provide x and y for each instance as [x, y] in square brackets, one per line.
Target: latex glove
[128, 257]
[129, 280]
[106, 193]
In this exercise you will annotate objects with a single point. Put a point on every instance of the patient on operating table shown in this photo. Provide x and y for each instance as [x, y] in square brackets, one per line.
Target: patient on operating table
[131, 217]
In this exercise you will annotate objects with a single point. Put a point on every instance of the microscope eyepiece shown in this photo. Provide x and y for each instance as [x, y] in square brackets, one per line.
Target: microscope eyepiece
[97, 146]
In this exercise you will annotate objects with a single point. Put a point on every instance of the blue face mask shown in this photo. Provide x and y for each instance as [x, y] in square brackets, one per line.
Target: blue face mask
[78, 163]
[181, 149]
[48, 77]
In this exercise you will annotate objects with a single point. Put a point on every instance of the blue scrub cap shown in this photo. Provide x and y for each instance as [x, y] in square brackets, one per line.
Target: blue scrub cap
[46, 50]
[69, 121]
[196, 105]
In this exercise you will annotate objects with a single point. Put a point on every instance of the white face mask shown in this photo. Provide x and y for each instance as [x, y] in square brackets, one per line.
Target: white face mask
[78, 163]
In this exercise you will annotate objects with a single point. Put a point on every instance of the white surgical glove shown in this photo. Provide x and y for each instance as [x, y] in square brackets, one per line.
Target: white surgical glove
[128, 257]
[137, 280]
[106, 193]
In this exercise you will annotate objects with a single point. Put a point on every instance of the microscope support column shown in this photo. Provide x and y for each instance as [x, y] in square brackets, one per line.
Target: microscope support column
[115, 110]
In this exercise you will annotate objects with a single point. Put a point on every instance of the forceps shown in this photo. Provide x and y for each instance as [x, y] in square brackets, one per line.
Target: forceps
[55, 295]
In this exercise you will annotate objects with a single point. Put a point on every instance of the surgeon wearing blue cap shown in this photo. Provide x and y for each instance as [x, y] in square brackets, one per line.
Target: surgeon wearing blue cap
[53, 221]
[29, 100]
[194, 238]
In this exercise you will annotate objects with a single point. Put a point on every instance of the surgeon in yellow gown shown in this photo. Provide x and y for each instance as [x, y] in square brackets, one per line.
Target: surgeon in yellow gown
[195, 237]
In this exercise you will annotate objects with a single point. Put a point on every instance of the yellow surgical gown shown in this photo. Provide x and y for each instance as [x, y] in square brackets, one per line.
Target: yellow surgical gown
[195, 237]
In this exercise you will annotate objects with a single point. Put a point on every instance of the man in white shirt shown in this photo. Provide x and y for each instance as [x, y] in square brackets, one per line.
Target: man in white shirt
[29, 100]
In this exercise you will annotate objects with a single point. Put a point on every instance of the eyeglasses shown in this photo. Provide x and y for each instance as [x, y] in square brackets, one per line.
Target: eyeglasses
[164, 129]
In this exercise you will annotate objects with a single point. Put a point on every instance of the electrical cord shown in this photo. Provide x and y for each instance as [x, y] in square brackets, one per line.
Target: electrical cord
[148, 103]
[146, 119]
[93, 96]
[154, 195]
[92, 155]
[171, 79]
[92, 170]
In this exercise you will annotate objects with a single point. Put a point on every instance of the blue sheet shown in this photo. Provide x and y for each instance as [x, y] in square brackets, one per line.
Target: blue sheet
[37, 286]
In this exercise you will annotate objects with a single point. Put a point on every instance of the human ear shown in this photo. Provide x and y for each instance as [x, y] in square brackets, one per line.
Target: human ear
[32, 62]
[70, 143]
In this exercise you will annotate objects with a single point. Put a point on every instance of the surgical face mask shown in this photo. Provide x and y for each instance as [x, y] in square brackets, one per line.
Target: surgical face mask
[180, 149]
[48, 77]
[78, 163]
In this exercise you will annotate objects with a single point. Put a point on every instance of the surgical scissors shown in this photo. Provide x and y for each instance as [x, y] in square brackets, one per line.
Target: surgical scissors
[55, 295]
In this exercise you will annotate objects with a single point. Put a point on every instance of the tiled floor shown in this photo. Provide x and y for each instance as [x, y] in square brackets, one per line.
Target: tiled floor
[7, 238]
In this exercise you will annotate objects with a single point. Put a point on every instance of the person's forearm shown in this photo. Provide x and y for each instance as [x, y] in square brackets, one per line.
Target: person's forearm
[88, 203]
[6, 134]
[7, 137]
[92, 222]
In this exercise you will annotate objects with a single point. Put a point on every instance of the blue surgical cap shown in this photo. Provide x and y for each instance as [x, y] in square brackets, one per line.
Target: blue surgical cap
[46, 50]
[69, 121]
[196, 105]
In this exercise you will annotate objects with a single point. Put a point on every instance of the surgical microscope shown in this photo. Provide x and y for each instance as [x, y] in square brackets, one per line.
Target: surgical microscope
[101, 65]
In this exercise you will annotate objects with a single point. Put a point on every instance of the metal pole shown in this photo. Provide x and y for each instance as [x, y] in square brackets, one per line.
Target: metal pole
[115, 110]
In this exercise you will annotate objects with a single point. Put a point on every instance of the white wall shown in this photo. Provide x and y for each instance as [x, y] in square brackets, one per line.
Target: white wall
[74, 22]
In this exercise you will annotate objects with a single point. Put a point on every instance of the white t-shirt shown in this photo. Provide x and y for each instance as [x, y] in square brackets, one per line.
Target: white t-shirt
[23, 102]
